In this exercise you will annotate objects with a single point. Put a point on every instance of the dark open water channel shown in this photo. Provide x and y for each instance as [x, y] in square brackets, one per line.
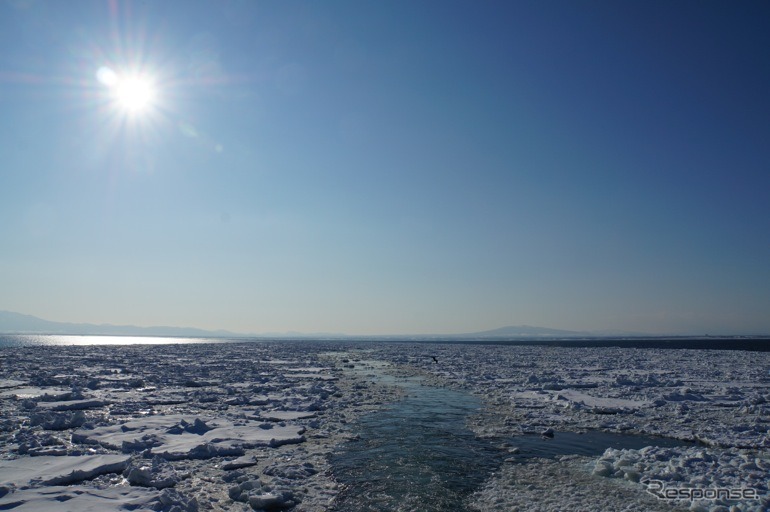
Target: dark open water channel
[417, 454]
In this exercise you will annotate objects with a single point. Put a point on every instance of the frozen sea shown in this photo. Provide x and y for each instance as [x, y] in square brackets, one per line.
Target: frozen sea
[141, 423]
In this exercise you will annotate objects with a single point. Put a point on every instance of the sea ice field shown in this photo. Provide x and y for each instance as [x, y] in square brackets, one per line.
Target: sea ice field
[317, 425]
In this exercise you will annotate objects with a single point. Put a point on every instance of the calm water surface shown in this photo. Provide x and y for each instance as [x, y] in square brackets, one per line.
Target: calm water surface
[589, 444]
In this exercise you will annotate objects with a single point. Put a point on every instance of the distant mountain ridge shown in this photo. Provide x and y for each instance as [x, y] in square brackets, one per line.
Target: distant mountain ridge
[528, 331]
[17, 323]
[517, 331]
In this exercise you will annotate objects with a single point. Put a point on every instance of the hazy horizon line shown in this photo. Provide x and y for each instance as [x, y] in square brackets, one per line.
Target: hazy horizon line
[42, 326]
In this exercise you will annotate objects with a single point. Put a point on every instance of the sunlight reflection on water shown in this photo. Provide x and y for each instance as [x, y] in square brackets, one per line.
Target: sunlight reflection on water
[21, 340]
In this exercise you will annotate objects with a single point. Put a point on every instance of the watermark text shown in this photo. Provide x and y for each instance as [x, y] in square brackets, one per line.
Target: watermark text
[660, 490]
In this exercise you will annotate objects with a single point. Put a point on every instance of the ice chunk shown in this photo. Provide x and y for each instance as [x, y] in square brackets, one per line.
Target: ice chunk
[10, 383]
[159, 474]
[58, 421]
[50, 470]
[80, 498]
[180, 437]
[72, 405]
[35, 392]
[684, 396]
[286, 415]
[240, 462]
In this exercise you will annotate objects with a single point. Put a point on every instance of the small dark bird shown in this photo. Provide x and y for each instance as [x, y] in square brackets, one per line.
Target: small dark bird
[434, 359]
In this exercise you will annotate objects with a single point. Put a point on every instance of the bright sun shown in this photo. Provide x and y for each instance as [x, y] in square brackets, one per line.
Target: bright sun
[132, 94]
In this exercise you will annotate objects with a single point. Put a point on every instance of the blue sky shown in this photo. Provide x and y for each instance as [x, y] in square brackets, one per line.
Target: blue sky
[388, 167]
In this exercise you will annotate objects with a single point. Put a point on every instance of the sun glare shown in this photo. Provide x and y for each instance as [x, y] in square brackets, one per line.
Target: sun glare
[133, 94]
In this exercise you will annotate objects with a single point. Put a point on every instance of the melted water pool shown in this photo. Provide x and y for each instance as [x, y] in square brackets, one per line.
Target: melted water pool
[589, 444]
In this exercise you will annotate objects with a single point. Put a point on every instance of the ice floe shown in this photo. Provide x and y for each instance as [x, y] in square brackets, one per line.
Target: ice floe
[51, 470]
[81, 499]
[174, 427]
[178, 437]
